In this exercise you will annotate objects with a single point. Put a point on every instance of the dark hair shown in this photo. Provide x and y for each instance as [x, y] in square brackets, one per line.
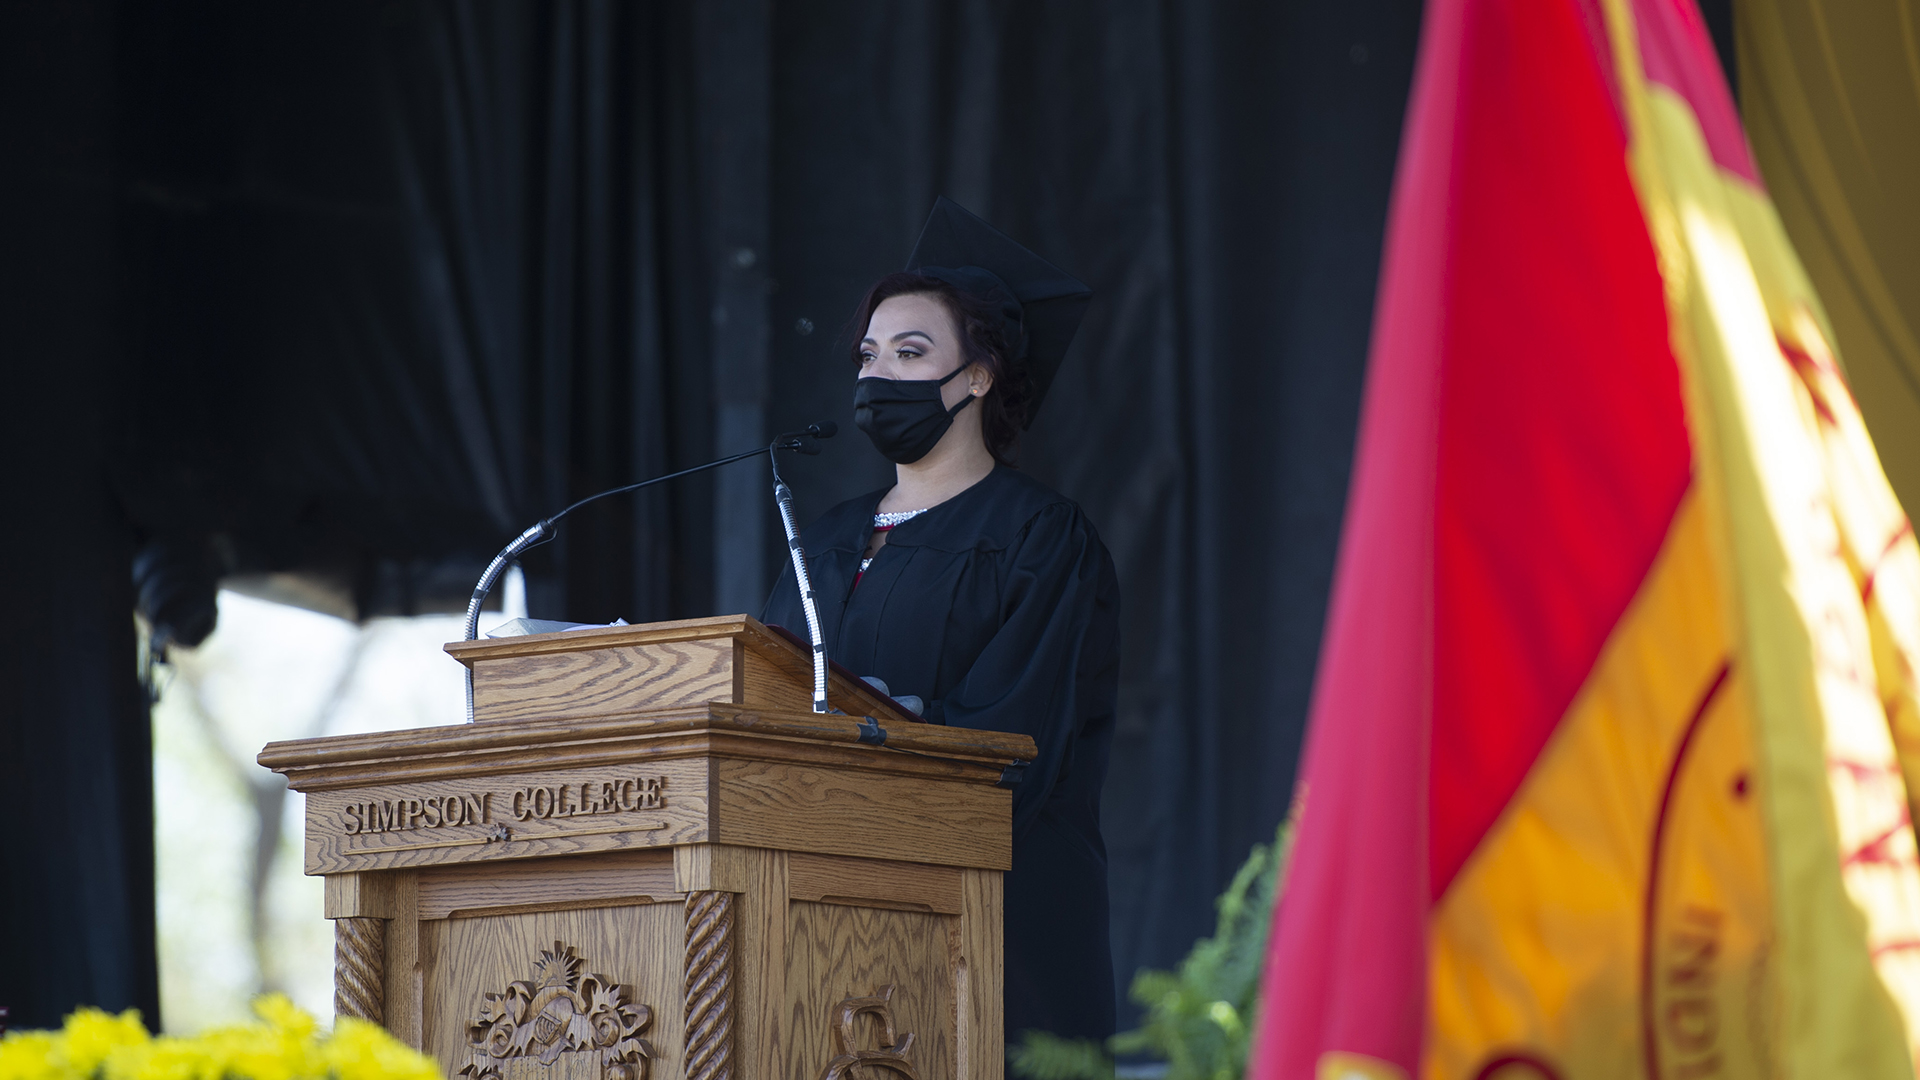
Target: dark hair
[983, 341]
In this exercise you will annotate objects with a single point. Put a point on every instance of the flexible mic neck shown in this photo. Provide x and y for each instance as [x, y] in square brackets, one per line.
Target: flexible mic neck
[542, 531]
[803, 581]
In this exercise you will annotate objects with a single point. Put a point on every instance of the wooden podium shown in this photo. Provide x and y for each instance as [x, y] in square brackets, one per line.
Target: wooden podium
[649, 859]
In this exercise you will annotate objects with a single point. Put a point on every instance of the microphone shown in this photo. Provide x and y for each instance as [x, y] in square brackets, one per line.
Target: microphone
[808, 441]
[804, 442]
[783, 498]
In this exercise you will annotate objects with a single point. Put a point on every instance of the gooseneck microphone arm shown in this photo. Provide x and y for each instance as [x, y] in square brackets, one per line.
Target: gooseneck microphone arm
[801, 579]
[542, 531]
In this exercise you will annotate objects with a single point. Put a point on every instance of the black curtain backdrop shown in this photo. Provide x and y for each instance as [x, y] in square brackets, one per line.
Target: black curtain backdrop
[362, 288]
[76, 794]
[1219, 175]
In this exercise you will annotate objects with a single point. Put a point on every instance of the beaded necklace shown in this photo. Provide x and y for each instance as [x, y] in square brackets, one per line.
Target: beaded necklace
[885, 523]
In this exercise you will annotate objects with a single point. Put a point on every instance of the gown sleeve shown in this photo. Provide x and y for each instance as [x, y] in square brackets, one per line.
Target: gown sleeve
[1049, 671]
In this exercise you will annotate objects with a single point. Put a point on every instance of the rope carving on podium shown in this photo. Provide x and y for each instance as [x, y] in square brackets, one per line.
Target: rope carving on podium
[359, 968]
[709, 986]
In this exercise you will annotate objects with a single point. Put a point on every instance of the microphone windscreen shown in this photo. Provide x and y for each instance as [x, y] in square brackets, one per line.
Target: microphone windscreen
[825, 429]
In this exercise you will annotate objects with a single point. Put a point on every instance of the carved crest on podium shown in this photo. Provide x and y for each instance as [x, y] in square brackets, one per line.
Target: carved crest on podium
[892, 1054]
[560, 1011]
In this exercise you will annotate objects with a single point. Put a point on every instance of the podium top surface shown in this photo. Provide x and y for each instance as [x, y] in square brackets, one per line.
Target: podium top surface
[731, 658]
[601, 637]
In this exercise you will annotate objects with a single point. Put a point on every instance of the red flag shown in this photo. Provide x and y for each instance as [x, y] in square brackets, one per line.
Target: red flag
[1565, 752]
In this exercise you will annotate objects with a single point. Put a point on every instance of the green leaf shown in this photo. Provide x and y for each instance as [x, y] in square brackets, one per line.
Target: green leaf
[1041, 1056]
[1199, 1019]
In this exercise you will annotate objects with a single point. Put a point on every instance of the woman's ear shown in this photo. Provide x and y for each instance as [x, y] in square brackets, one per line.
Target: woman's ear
[979, 380]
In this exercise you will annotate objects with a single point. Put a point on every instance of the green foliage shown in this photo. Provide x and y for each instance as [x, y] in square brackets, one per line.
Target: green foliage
[1199, 1020]
[1041, 1056]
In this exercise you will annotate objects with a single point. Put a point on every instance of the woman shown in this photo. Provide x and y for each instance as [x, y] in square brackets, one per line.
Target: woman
[973, 587]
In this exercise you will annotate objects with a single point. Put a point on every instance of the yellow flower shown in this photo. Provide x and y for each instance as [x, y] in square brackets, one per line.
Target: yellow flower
[75, 1051]
[91, 1035]
[28, 1055]
[362, 1051]
[286, 1044]
[161, 1059]
[285, 1018]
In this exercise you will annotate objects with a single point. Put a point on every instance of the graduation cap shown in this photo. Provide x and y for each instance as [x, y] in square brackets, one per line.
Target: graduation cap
[1042, 304]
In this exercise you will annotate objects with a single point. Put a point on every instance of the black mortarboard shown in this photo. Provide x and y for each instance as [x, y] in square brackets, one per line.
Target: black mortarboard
[1041, 302]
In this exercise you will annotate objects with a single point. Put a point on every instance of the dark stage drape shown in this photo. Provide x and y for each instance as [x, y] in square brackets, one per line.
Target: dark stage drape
[76, 792]
[367, 287]
[1219, 175]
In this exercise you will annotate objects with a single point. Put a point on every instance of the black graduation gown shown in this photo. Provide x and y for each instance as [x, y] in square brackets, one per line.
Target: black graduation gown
[999, 608]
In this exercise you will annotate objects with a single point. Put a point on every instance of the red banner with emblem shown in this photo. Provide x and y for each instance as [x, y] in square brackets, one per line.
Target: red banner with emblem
[1608, 767]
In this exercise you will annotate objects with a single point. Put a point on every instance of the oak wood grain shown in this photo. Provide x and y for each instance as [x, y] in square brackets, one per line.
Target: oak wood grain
[368, 895]
[846, 691]
[979, 976]
[405, 982]
[527, 815]
[472, 750]
[849, 866]
[736, 743]
[639, 947]
[836, 952]
[845, 812]
[599, 880]
[711, 628]
[789, 805]
[713, 868]
[765, 684]
[586, 682]
[874, 883]
[760, 958]
[772, 651]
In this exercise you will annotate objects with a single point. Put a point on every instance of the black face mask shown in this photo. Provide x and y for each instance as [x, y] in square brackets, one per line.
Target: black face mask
[904, 417]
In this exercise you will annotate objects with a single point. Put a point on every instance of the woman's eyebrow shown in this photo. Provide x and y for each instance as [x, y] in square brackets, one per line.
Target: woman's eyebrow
[914, 333]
